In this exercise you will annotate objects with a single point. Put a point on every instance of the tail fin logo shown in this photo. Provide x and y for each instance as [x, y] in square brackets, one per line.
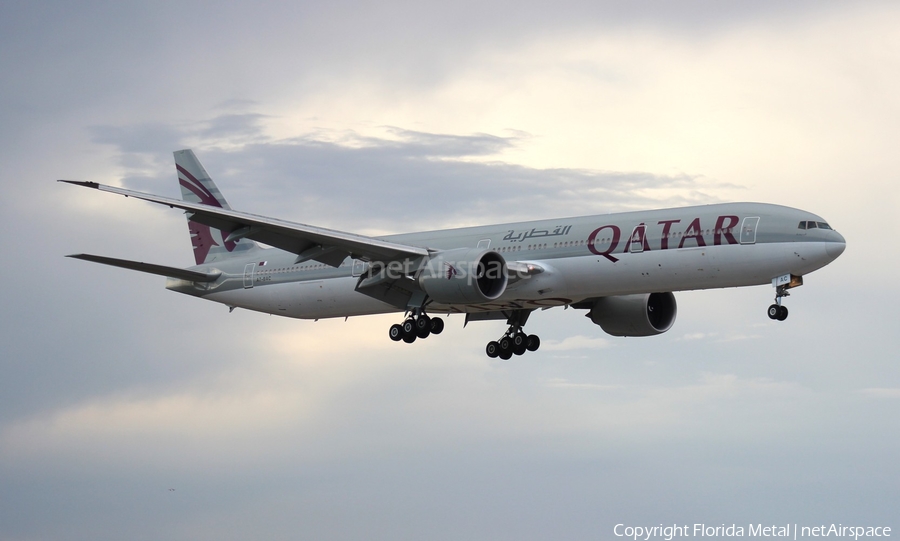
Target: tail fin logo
[201, 235]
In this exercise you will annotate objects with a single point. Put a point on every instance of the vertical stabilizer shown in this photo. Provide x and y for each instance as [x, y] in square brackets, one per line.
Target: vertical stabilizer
[196, 187]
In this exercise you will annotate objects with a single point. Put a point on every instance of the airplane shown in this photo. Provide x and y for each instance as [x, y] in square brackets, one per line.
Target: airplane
[621, 268]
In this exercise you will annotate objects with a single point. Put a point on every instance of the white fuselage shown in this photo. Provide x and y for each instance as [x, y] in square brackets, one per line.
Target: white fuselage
[714, 246]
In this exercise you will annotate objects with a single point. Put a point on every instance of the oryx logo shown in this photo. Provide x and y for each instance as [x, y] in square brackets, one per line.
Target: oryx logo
[201, 234]
[451, 271]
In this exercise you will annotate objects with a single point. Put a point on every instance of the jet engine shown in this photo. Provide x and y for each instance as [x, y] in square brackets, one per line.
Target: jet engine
[635, 315]
[464, 276]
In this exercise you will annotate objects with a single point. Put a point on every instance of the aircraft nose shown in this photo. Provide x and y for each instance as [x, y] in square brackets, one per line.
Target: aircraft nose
[836, 248]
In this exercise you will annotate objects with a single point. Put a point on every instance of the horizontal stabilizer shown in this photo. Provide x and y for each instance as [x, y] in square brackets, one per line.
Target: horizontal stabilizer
[171, 272]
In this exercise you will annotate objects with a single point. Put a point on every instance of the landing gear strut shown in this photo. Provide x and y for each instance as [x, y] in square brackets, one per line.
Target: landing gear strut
[417, 325]
[777, 310]
[514, 341]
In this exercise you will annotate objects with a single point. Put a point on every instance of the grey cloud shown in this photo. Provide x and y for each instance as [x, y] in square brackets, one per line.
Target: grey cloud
[54, 358]
[134, 58]
[413, 180]
[416, 144]
[412, 442]
[235, 127]
[141, 139]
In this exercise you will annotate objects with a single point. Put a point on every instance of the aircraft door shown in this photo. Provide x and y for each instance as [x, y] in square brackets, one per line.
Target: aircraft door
[636, 243]
[249, 269]
[748, 230]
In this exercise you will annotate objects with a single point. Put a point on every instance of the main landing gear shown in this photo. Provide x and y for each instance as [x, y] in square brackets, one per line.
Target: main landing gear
[777, 310]
[513, 342]
[417, 325]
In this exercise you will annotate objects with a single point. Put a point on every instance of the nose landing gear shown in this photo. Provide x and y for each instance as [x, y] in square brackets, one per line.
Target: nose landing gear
[777, 310]
[782, 284]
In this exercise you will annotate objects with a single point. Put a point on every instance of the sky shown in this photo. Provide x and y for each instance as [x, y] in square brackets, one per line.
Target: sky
[128, 411]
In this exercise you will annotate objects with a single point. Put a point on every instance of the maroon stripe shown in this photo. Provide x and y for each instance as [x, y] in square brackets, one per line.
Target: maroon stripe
[194, 179]
[206, 197]
[186, 173]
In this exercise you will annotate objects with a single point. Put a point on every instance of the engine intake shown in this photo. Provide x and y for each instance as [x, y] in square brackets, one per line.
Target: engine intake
[464, 276]
[646, 314]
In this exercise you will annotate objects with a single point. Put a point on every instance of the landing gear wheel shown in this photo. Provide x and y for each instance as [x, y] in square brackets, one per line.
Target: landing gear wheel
[409, 331]
[492, 349]
[533, 342]
[518, 339]
[423, 322]
[396, 332]
[505, 345]
[409, 328]
[773, 312]
[782, 313]
[423, 326]
[506, 355]
[437, 325]
[519, 343]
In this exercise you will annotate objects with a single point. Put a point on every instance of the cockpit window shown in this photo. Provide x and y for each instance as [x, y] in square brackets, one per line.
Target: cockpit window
[809, 224]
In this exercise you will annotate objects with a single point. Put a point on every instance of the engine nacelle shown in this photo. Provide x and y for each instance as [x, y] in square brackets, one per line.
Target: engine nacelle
[464, 276]
[635, 315]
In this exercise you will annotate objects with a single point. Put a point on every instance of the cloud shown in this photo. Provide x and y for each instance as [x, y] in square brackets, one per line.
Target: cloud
[394, 117]
[882, 392]
[696, 336]
[402, 180]
[737, 337]
[577, 342]
[560, 383]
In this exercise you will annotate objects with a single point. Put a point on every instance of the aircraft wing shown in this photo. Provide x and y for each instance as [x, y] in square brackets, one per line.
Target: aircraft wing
[308, 242]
